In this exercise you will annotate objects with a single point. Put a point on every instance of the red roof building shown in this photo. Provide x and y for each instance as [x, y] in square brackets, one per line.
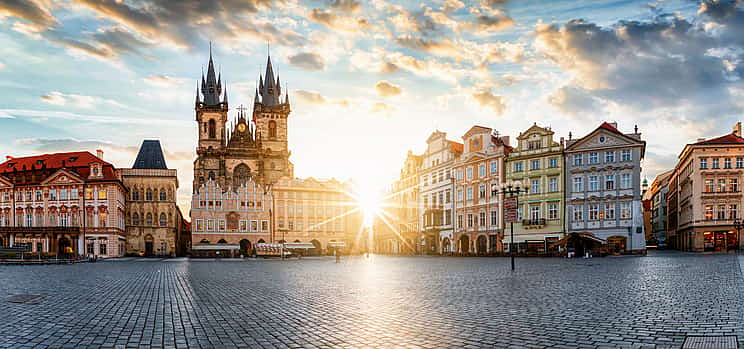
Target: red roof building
[43, 197]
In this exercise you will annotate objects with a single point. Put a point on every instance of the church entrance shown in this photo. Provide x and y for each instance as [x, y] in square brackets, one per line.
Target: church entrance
[148, 246]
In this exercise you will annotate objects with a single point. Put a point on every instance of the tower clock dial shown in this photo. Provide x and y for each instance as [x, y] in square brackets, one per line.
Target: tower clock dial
[241, 127]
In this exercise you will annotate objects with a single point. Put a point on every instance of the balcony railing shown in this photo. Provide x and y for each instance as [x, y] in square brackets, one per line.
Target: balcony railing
[533, 222]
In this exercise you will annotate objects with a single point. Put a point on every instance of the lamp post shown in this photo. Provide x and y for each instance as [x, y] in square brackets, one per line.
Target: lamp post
[512, 189]
[738, 224]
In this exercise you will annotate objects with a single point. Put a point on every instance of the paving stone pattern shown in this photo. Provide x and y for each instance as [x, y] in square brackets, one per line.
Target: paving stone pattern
[381, 302]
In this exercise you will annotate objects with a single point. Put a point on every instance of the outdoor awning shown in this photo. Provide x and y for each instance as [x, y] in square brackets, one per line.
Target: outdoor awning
[215, 247]
[336, 244]
[585, 235]
[298, 245]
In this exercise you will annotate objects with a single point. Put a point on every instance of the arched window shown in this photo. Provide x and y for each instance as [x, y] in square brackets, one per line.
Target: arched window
[135, 219]
[148, 221]
[272, 129]
[148, 196]
[162, 195]
[241, 174]
[212, 129]
[211, 175]
[162, 220]
[135, 194]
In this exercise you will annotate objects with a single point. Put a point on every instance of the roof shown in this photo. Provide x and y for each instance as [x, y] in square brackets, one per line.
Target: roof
[730, 138]
[607, 126]
[78, 162]
[455, 146]
[150, 156]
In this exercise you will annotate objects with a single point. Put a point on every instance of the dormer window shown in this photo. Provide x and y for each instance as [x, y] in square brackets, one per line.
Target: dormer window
[73, 158]
[11, 164]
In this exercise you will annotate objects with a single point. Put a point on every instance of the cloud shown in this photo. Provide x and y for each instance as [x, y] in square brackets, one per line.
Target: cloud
[163, 80]
[31, 10]
[315, 98]
[575, 101]
[307, 60]
[105, 43]
[485, 98]
[387, 89]
[346, 6]
[340, 20]
[61, 99]
[486, 23]
[382, 108]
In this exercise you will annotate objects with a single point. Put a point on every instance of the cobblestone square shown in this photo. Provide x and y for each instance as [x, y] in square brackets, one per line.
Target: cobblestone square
[411, 302]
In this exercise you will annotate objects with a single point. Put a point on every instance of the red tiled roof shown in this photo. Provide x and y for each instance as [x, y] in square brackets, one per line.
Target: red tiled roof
[607, 126]
[727, 139]
[456, 147]
[78, 162]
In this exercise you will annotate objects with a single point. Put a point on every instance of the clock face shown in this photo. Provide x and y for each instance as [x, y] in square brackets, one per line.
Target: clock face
[241, 127]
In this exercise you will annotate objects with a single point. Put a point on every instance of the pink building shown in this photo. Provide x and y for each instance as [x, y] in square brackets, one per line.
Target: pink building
[229, 222]
[42, 199]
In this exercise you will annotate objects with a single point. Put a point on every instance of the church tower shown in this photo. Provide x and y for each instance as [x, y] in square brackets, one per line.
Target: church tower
[270, 113]
[211, 116]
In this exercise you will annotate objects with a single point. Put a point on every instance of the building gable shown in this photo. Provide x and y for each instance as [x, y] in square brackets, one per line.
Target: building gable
[603, 138]
[5, 183]
[63, 176]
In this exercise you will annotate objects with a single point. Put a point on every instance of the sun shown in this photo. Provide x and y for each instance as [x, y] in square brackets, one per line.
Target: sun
[368, 200]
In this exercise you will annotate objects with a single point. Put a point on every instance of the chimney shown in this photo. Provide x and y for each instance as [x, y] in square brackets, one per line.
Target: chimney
[99, 153]
[737, 129]
[563, 140]
[8, 157]
[614, 124]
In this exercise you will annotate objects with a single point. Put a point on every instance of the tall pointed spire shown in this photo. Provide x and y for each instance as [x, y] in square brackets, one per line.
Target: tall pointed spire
[197, 92]
[255, 98]
[224, 99]
[269, 87]
[211, 89]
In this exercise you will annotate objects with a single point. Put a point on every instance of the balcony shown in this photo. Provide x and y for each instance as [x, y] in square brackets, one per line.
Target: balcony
[719, 194]
[533, 223]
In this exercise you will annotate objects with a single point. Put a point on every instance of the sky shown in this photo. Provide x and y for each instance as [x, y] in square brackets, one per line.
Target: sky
[367, 80]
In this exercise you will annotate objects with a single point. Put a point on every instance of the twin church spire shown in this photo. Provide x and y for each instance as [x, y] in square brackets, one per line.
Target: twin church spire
[268, 93]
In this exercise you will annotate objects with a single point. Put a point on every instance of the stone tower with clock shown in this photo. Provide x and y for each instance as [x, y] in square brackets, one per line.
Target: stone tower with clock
[231, 152]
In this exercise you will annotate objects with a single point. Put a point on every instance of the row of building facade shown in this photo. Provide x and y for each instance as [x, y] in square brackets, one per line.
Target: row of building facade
[696, 205]
[450, 198]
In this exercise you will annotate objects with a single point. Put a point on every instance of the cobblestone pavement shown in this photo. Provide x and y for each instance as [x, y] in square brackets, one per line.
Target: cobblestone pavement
[411, 302]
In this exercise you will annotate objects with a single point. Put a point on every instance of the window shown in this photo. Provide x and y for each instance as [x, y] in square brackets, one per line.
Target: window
[553, 163]
[135, 194]
[721, 212]
[74, 194]
[518, 166]
[272, 129]
[469, 172]
[727, 163]
[470, 220]
[494, 167]
[626, 155]
[535, 165]
[578, 213]
[715, 162]
[494, 218]
[52, 194]
[609, 156]
[593, 158]
[721, 185]
[482, 218]
[625, 212]
[222, 225]
[470, 193]
[148, 195]
[102, 247]
[459, 194]
[447, 217]
[609, 211]
[448, 196]
[533, 145]
[519, 213]
[535, 186]
[482, 191]
[163, 220]
[709, 186]
[625, 181]
[264, 225]
[63, 194]
[38, 195]
[28, 195]
[535, 212]
[553, 211]
[162, 195]
[212, 128]
[459, 174]
[593, 183]
[148, 220]
[29, 220]
[482, 171]
[578, 160]
[459, 221]
[733, 185]
[610, 182]
[553, 184]
[593, 212]
[733, 212]
[704, 163]
[739, 162]
[578, 184]
[425, 179]
[135, 221]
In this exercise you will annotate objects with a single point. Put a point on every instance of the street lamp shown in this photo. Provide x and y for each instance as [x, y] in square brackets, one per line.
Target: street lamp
[738, 224]
[512, 189]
